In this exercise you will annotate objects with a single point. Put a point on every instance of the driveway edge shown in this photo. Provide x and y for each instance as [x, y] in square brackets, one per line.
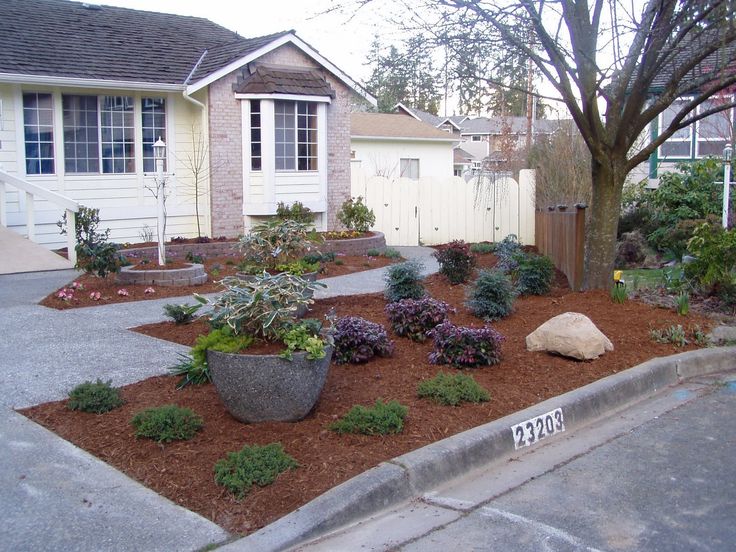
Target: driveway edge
[416, 472]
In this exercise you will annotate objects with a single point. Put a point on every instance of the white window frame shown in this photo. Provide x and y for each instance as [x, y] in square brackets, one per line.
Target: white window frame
[24, 124]
[698, 124]
[672, 138]
[408, 164]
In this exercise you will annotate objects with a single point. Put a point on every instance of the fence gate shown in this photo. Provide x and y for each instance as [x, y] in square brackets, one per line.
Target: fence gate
[438, 210]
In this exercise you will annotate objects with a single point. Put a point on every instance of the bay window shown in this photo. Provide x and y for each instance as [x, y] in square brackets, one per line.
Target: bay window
[295, 126]
[704, 138]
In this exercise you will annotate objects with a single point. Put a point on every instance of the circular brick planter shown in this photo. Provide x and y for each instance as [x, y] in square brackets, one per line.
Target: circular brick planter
[355, 246]
[191, 275]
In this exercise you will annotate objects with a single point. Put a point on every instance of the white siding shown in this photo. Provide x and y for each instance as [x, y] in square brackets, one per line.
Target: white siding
[125, 201]
[382, 157]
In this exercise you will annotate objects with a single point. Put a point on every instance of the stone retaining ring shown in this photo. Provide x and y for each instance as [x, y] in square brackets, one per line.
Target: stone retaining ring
[192, 275]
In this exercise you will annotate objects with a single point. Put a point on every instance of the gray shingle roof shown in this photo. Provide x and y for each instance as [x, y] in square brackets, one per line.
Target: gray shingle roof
[70, 39]
[272, 80]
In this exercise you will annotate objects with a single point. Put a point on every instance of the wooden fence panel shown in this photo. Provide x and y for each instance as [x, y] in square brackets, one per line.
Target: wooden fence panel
[560, 234]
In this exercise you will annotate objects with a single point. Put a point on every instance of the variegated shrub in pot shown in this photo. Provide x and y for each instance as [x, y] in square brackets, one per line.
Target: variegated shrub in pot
[269, 387]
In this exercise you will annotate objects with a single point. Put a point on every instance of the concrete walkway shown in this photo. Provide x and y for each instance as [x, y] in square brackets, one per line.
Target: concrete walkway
[17, 254]
[55, 496]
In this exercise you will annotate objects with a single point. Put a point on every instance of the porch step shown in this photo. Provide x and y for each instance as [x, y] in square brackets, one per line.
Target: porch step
[17, 254]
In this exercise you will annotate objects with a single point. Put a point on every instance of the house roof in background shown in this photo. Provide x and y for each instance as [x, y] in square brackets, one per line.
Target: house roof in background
[394, 125]
[277, 80]
[461, 156]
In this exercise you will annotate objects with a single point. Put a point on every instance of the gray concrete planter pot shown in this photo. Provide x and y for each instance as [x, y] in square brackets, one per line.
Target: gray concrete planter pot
[308, 293]
[262, 388]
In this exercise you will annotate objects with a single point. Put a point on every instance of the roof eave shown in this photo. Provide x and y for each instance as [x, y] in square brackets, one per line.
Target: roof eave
[401, 138]
[277, 42]
[19, 78]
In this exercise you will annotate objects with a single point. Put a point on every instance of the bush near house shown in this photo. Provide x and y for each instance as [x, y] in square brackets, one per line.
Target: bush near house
[96, 398]
[404, 281]
[358, 340]
[491, 296]
[355, 215]
[414, 318]
[464, 347]
[456, 261]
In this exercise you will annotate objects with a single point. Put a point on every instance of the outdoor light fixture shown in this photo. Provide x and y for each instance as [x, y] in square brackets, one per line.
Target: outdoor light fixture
[727, 151]
[159, 149]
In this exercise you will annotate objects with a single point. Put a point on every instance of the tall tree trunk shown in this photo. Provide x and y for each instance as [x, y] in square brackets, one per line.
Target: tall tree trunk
[600, 235]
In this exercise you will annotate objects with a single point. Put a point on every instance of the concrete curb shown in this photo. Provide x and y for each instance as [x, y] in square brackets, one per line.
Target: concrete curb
[416, 472]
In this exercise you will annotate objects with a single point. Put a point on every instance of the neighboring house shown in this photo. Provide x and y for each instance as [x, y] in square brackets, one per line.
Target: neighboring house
[395, 146]
[463, 161]
[86, 90]
[486, 139]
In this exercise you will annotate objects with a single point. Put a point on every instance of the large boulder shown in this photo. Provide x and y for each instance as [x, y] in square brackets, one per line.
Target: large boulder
[570, 334]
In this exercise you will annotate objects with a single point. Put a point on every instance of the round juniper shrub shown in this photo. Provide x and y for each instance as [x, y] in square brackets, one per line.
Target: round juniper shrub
[404, 281]
[96, 398]
[167, 423]
[358, 340]
[491, 296]
[534, 275]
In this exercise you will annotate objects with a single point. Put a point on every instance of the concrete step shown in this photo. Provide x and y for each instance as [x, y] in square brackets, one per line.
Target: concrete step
[18, 254]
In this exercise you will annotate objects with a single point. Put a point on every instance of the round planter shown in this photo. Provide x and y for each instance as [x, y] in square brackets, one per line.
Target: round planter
[191, 275]
[308, 293]
[268, 388]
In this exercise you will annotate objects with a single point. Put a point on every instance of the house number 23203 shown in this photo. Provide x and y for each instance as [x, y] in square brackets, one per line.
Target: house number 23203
[535, 429]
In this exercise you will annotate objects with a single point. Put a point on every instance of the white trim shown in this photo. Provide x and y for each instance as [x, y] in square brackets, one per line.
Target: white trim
[20, 138]
[408, 110]
[245, 153]
[288, 38]
[87, 83]
[322, 149]
[403, 139]
[268, 151]
[447, 120]
[291, 97]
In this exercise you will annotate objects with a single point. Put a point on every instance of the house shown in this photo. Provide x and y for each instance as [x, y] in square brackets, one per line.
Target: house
[486, 139]
[396, 146]
[86, 90]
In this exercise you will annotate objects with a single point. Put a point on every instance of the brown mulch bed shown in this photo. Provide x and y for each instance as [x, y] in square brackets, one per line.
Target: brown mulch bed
[216, 267]
[183, 471]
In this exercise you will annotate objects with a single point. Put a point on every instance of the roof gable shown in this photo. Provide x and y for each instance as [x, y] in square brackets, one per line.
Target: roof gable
[277, 80]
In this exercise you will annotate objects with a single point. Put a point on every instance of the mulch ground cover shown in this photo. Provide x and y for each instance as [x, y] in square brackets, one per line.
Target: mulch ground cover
[216, 267]
[183, 471]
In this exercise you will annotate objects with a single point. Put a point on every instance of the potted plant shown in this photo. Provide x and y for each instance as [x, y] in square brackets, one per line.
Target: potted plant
[269, 387]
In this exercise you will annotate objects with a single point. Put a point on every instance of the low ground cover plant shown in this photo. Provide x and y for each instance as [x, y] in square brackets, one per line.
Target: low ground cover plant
[452, 390]
[304, 336]
[464, 347]
[379, 419]
[414, 318]
[358, 340]
[404, 281]
[167, 423]
[252, 465]
[391, 253]
[671, 334]
[491, 296]
[97, 398]
[355, 215]
[183, 313]
[482, 248]
[456, 261]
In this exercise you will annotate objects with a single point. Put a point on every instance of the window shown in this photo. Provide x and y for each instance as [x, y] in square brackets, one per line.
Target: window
[81, 144]
[256, 158]
[680, 143]
[295, 135]
[714, 132]
[116, 134]
[38, 128]
[153, 115]
[409, 168]
[476, 138]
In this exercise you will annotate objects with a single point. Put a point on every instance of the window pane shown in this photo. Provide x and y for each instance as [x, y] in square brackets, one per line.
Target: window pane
[717, 125]
[116, 130]
[669, 114]
[711, 148]
[675, 149]
[38, 117]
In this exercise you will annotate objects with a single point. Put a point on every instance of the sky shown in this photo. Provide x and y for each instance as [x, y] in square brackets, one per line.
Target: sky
[343, 38]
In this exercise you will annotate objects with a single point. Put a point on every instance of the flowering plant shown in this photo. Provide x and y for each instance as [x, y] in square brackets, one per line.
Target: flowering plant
[77, 286]
[462, 346]
[65, 294]
[123, 292]
[95, 295]
[149, 290]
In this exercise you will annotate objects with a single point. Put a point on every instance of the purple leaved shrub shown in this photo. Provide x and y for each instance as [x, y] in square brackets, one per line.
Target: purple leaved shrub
[456, 261]
[465, 347]
[359, 340]
[413, 318]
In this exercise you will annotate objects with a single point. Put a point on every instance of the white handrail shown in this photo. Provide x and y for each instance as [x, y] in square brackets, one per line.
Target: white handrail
[31, 190]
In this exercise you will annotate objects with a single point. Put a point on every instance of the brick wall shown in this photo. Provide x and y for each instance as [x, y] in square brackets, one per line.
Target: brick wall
[226, 145]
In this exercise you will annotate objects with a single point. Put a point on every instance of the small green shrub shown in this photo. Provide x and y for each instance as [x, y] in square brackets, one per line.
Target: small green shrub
[355, 215]
[482, 248]
[167, 423]
[391, 253]
[456, 262]
[276, 242]
[181, 314]
[404, 281]
[304, 337]
[317, 257]
[193, 258]
[534, 275]
[252, 465]
[373, 252]
[451, 390]
[298, 268]
[491, 296]
[672, 334]
[296, 211]
[97, 398]
[682, 303]
[715, 252]
[380, 419]
[619, 293]
[339, 262]
[95, 255]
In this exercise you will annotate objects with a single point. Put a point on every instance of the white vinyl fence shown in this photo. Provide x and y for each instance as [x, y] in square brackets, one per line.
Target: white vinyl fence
[438, 210]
